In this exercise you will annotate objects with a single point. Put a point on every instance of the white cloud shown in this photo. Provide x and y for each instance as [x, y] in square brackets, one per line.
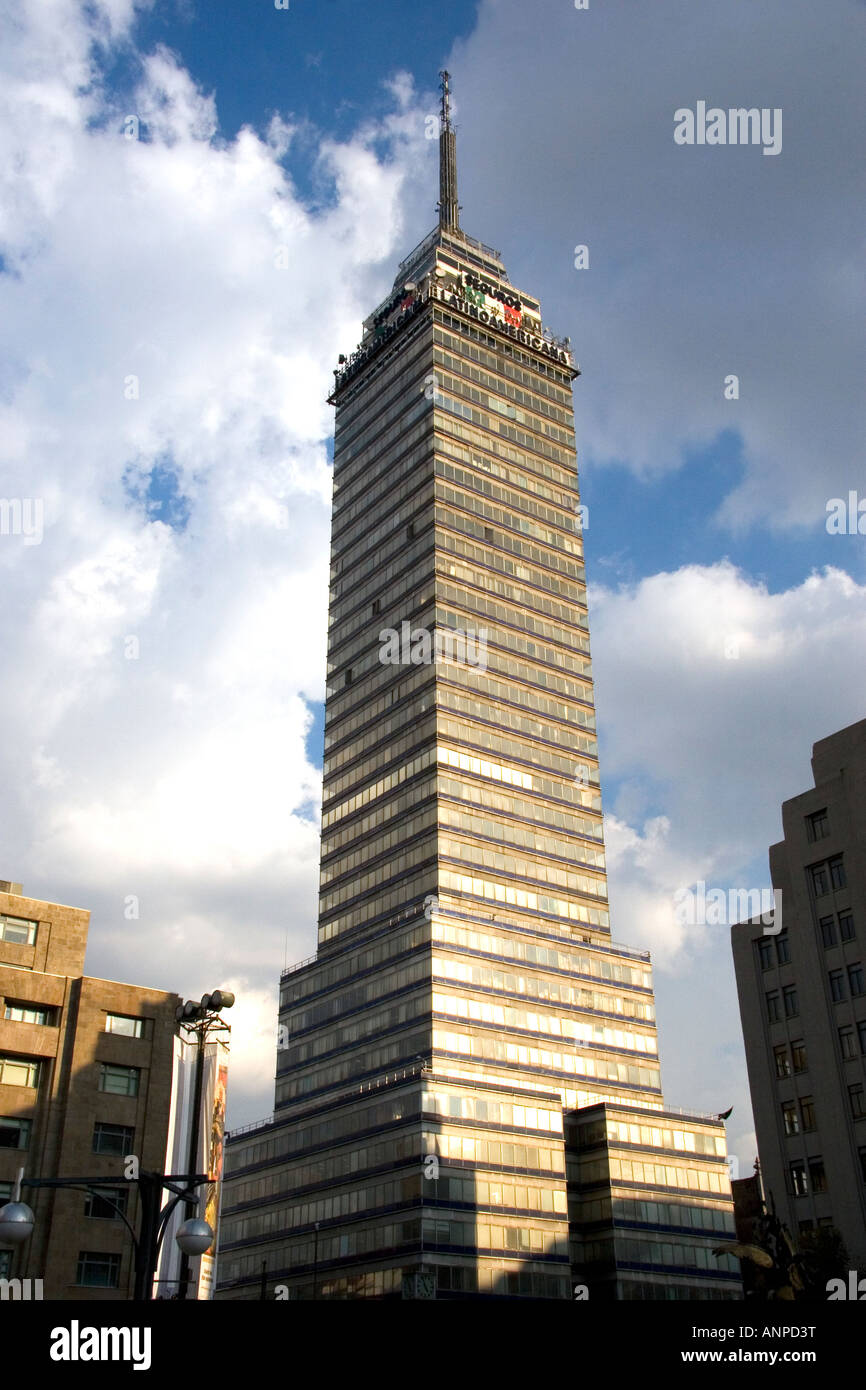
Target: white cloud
[703, 261]
[171, 302]
[702, 748]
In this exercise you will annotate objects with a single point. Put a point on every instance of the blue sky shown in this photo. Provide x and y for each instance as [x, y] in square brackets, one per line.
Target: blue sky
[193, 512]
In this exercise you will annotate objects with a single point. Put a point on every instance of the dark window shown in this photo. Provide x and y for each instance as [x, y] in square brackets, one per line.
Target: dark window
[349, 675]
[14, 1133]
[119, 1081]
[820, 880]
[791, 1118]
[828, 931]
[488, 533]
[377, 606]
[805, 1226]
[97, 1270]
[799, 1180]
[765, 953]
[817, 825]
[113, 1139]
[846, 926]
[798, 1053]
[817, 1176]
[783, 1066]
[837, 872]
[855, 978]
[792, 1007]
[783, 949]
[773, 1014]
[410, 531]
[807, 1113]
[837, 985]
[861, 1034]
[846, 1042]
[107, 1203]
[856, 1099]
[862, 1153]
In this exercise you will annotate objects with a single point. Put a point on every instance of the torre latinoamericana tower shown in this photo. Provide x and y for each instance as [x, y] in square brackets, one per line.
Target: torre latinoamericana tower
[468, 1101]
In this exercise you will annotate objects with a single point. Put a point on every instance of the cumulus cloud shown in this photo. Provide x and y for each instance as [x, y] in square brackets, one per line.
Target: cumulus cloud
[703, 261]
[711, 691]
[170, 313]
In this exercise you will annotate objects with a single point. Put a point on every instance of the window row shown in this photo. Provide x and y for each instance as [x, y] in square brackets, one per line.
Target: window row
[799, 1116]
[532, 902]
[536, 987]
[518, 948]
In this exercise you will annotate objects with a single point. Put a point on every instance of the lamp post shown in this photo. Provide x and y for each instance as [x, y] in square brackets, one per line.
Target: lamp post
[17, 1219]
[199, 1019]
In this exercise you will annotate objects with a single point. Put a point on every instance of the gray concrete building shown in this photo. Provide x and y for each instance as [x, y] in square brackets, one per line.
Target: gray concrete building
[803, 1003]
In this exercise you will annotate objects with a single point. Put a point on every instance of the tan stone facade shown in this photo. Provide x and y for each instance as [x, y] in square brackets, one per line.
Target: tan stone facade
[63, 1110]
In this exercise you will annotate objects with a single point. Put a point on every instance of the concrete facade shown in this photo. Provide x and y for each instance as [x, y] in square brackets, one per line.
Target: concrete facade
[803, 1003]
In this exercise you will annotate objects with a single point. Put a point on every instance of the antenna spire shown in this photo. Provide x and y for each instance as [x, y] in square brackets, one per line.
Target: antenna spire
[449, 211]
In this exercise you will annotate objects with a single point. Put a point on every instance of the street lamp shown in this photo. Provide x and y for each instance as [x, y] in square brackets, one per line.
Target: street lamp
[201, 1019]
[16, 1223]
[194, 1236]
[17, 1220]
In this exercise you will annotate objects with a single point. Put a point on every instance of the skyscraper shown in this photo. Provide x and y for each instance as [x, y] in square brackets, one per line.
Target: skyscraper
[802, 995]
[466, 992]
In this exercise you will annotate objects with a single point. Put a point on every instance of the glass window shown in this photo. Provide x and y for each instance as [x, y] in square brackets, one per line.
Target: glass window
[126, 1026]
[828, 930]
[17, 930]
[97, 1270]
[765, 953]
[837, 872]
[29, 1013]
[799, 1180]
[113, 1139]
[789, 996]
[861, 1035]
[855, 978]
[107, 1203]
[817, 825]
[783, 948]
[783, 1065]
[119, 1081]
[773, 1014]
[846, 926]
[19, 1071]
[847, 1045]
[817, 1176]
[798, 1053]
[820, 880]
[837, 985]
[791, 1118]
[807, 1112]
[856, 1101]
[14, 1133]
